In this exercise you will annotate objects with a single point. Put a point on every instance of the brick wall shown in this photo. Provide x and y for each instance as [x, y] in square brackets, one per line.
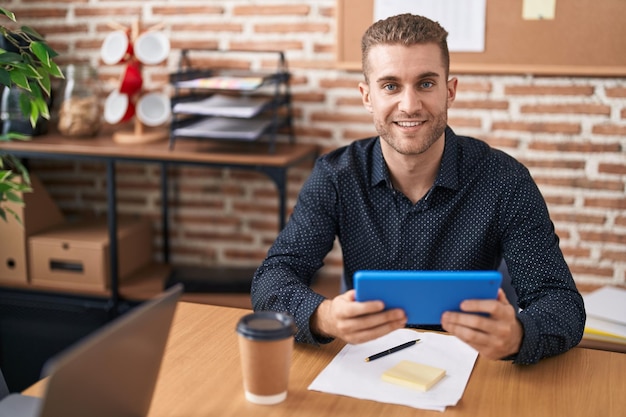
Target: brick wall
[570, 132]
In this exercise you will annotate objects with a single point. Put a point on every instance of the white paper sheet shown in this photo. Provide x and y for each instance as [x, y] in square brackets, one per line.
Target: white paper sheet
[348, 374]
[221, 105]
[464, 20]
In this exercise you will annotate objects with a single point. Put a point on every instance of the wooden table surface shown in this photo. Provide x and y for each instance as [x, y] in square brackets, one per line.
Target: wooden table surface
[201, 376]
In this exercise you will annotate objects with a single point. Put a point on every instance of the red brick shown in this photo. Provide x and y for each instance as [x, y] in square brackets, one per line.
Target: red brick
[584, 147]
[609, 129]
[460, 122]
[340, 83]
[604, 237]
[591, 270]
[179, 10]
[578, 218]
[608, 168]
[615, 92]
[481, 104]
[340, 117]
[538, 127]
[559, 200]
[552, 163]
[548, 90]
[206, 27]
[286, 45]
[502, 142]
[473, 87]
[284, 9]
[584, 183]
[567, 109]
[292, 28]
[606, 203]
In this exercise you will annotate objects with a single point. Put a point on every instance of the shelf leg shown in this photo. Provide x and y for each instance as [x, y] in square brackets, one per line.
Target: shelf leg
[112, 223]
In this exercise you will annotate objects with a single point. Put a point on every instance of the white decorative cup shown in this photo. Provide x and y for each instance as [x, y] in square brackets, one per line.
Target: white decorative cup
[152, 48]
[116, 48]
[118, 108]
[154, 109]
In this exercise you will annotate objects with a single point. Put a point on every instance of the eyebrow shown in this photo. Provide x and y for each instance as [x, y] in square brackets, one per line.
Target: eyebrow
[429, 74]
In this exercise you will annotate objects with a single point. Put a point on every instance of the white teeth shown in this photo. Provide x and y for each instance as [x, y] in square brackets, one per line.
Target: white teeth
[408, 124]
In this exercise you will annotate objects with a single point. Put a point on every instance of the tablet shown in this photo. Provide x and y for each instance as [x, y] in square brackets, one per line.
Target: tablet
[425, 295]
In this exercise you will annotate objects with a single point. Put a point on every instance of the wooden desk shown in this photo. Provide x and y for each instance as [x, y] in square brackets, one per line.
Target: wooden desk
[201, 376]
[220, 154]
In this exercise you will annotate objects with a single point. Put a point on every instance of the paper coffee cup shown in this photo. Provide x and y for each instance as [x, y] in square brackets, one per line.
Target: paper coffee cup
[265, 346]
[152, 47]
[154, 109]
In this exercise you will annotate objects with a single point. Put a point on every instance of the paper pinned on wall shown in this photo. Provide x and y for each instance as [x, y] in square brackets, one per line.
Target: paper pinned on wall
[538, 9]
[464, 20]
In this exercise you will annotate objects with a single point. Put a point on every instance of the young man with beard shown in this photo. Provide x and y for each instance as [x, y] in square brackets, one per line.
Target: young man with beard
[420, 197]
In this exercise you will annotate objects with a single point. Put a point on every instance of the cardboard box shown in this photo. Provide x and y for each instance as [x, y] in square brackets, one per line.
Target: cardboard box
[77, 256]
[38, 213]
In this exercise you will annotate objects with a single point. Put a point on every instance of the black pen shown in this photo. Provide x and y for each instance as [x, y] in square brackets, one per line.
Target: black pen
[392, 350]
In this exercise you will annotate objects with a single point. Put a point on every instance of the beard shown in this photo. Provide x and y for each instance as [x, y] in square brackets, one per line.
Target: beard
[412, 143]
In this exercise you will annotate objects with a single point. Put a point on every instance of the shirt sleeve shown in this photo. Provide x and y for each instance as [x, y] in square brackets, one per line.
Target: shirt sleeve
[551, 308]
[282, 282]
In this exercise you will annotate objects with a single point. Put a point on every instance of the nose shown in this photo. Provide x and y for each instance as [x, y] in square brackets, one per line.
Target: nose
[410, 101]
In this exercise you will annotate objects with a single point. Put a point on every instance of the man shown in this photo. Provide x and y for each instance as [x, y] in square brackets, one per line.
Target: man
[420, 197]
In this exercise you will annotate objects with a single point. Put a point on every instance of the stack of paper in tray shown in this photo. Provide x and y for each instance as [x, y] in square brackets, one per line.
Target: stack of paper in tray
[606, 315]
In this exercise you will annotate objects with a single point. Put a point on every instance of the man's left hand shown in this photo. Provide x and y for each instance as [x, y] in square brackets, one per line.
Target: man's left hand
[495, 336]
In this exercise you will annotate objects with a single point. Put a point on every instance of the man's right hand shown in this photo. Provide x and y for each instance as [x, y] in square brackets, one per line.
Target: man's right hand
[355, 322]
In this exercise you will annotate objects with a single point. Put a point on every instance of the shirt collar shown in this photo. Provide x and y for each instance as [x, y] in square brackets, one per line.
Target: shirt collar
[448, 172]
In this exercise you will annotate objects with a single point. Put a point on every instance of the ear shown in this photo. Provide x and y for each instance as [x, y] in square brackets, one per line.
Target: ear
[364, 89]
[452, 83]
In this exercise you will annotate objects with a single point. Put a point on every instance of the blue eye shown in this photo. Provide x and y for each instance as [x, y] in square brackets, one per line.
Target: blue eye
[390, 87]
[427, 84]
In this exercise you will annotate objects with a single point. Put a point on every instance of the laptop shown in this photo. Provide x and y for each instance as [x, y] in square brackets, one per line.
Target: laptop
[112, 372]
[425, 295]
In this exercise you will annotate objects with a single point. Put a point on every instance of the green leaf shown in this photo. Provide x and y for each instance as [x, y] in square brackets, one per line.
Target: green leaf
[10, 58]
[55, 71]
[41, 52]
[25, 104]
[12, 136]
[4, 175]
[15, 216]
[7, 13]
[32, 33]
[42, 107]
[16, 198]
[20, 80]
[44, 82]
[5, 78]
[21, 169]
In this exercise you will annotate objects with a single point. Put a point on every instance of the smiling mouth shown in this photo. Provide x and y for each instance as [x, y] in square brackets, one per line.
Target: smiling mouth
[409, 124]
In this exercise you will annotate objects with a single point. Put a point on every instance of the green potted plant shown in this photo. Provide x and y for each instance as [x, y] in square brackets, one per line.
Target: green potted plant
[29, 67]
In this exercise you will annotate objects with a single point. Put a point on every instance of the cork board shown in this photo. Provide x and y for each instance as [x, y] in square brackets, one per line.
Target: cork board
[586, 38]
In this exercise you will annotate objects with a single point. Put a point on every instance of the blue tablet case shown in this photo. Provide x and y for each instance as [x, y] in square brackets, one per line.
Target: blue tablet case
[425, 295]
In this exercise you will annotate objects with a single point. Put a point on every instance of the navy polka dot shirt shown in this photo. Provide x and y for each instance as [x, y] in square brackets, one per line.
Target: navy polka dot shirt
[483, 207]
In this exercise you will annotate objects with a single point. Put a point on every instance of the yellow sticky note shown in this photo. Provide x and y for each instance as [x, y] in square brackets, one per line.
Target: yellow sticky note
[538, 9]
[414, 375]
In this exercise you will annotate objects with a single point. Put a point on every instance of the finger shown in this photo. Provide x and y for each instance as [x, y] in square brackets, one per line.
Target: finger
[452, 320]
[370, 333]
[347, 307]
[502, 297]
